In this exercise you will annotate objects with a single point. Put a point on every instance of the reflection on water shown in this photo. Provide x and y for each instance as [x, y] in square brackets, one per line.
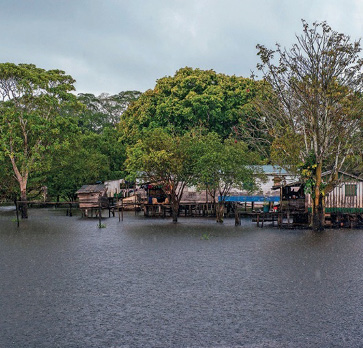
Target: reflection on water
[150, 283]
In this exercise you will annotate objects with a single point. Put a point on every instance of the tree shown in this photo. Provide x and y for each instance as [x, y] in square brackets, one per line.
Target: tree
[316, 111]
[223, 165]
[104, 111]
[191, 98]
[164, 159]
[81, 162]
[31, 124]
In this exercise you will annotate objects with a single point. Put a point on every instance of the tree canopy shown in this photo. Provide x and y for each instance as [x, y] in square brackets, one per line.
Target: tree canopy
[223, 165]
[31, 124]
[191, 98]
[168, 160]
[105, 110]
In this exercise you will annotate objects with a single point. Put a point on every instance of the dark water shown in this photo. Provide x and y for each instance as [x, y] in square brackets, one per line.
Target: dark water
[148, 283]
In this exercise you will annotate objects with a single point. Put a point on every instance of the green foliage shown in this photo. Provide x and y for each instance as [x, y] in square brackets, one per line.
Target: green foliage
[80, 163]
[104, 111]
[191, 98]
[9, 188]
[161, 157]
[308, 171]
[164, 159]
[205, 236]
[284, 151]
[32, 125]
[222, 165]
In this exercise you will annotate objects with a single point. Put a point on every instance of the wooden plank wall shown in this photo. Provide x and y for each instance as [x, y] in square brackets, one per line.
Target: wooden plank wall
[338, 199]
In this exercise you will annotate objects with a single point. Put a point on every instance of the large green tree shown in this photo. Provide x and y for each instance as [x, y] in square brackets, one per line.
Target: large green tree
[168, 160]
[31, 124]
[316, 114]
[223, 165]
[191, 98]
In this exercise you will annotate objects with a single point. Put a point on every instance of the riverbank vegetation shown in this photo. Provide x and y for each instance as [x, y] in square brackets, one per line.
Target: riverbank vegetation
[197, 127]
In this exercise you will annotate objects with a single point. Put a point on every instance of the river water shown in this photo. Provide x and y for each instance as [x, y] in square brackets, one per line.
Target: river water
[149, 283]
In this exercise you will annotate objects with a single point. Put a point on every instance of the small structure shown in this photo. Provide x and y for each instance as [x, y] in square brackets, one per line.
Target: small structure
[92, 198]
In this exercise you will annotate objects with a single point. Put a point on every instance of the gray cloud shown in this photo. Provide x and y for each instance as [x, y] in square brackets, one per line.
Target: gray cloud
[110, 46]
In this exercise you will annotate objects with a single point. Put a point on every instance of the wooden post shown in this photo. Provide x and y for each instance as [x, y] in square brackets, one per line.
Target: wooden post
[122, 210]
[288, 218]
[99, 214]
[135, 200]
[118, 211]
[237, 218]
[17, 212]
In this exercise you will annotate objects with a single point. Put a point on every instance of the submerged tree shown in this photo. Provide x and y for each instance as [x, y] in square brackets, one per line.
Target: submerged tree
[316, 112]
[164, 159]
[223, 165]
[31, 124]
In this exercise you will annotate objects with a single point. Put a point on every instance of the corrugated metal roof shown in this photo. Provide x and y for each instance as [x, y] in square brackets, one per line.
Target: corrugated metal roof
[91, 188]
[270, 169]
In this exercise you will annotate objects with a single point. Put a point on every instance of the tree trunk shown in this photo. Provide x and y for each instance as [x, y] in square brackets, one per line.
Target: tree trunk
[318, 208]
[220, 212]
[23, 206]
[174, 202]
[175, 210]
[22, 179]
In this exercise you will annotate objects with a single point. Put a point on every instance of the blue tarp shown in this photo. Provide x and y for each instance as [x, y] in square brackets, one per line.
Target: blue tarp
[251, 199]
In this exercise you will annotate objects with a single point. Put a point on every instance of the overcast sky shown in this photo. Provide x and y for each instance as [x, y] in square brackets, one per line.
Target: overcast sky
[117, 45]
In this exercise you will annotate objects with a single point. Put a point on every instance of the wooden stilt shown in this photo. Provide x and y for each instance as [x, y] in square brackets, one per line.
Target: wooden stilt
[17, 213]
[237, 218]
[122, 210]
[99, 214]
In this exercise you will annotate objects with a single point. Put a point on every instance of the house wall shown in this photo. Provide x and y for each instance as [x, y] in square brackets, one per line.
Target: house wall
[190, 194]
[339, 198]
[89, 200]
[265, 189]
[113, 186]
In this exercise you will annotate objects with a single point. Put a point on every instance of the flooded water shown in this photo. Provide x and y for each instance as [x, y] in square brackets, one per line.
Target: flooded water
[149, 283]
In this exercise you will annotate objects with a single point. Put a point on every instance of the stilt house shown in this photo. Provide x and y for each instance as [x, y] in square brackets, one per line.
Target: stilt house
[92, 197]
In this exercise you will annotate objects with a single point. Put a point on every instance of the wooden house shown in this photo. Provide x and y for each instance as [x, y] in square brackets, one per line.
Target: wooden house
[347, 196]
[343, 205]
[92, 197]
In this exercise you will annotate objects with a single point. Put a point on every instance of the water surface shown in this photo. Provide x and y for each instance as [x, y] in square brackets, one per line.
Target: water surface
[149, 283]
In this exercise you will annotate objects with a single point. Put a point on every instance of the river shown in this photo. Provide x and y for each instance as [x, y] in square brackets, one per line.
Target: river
[142, 282]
